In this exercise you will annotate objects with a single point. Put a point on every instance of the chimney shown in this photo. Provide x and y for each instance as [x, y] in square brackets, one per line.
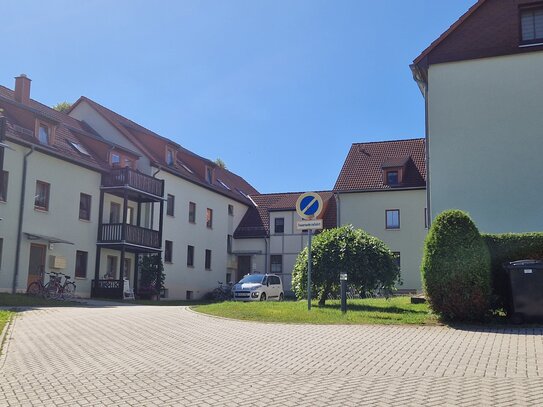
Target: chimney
[22, 89]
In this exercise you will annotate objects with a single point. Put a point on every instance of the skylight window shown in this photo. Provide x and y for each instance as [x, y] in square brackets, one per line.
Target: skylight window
[223, 184]
[184, 166]
[242, 193]
[79, 148]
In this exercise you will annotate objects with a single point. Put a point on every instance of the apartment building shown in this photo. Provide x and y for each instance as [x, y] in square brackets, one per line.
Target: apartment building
[382, 189]
[108, 191]
[481, 81]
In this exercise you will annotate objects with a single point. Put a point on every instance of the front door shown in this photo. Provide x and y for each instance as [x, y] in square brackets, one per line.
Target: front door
[244, 267]
[36, 263]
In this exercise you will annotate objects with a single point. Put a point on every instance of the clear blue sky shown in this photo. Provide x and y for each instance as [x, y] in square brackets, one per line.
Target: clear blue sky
[277, 89]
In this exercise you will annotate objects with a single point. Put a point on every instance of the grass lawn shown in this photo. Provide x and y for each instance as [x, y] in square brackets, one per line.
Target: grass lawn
[23, 300]
[4, 318]
[395, 311]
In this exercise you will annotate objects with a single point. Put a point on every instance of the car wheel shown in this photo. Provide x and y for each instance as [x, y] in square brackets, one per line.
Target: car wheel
[263, 297]
[281, 297]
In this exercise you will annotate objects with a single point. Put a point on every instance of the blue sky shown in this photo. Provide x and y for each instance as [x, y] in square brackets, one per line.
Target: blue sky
[279, 90]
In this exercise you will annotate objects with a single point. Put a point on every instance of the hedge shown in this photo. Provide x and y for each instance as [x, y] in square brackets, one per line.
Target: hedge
[508, 247]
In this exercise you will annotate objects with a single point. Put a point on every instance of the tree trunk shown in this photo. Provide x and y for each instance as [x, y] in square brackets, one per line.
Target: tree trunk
[324, 295]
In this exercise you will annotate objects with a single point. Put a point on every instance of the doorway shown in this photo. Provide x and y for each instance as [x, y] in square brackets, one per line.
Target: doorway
[36, 263]
[244, 267]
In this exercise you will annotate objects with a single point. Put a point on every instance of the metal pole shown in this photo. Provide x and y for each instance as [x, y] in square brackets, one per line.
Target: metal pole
[344, 296]
[309, 234]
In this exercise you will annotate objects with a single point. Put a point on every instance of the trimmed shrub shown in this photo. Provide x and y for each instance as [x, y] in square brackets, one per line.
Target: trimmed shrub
[504, 248]
[369, 263]
[456, 268]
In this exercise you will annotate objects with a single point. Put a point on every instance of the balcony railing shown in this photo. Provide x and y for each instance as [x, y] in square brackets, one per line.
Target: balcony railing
[112, 289]
[128, 177]
[118, 233]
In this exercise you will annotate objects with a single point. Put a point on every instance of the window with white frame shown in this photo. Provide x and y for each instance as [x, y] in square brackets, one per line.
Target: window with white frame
[392, 219]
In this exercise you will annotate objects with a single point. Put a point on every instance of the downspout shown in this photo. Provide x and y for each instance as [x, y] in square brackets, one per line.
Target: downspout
[20, 222]
[153, 205]
[338, 209]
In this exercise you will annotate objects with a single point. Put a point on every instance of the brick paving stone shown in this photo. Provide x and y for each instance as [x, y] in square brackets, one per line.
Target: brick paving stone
[171, 356]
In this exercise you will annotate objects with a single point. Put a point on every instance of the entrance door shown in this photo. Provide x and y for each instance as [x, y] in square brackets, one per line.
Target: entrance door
[36, 263]
[244, 267]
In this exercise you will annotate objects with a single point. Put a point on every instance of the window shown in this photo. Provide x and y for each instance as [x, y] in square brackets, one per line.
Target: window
[231, 210]
[79, 148]
[43, 134]
[115, 160]
[170, 205]
[41, 198]
[190, 256]
[84, 206]
[208, 259]
[276, 263]
[209, 218]
[279, 225]
[111, 271]
[170, 156]
[223, 184]
[392, 178]
[398, 258]
[168, 248]
[229, 244]
[209, 175]
[392, 218]
[4, 176]
[192, 212]
[531, 22]
[114, 212]
[81, 264]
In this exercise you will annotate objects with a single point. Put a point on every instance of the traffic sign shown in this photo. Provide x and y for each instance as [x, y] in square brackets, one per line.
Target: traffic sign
[315, 224]
[309, 205]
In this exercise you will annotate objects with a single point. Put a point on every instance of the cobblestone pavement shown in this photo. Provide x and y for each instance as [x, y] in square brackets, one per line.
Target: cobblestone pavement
[171, 356]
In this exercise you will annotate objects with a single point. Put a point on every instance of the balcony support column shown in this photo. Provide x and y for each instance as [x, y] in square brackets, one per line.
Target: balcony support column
[99, 237]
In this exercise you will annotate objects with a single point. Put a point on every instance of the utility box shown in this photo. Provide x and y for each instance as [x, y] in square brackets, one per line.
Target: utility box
[526, 277]
[57, 262]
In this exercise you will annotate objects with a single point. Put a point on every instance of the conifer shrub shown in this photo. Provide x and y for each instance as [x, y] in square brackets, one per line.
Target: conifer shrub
[456, 268]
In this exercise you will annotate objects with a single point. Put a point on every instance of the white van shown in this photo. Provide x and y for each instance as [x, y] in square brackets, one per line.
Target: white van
[258, 287]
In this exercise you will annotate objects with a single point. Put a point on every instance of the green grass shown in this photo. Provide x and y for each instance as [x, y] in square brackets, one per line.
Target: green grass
[5, 316]
[394, 311]
[23, 300]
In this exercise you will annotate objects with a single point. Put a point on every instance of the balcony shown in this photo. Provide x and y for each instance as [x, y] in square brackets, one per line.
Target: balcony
[128, 178]
[142, 239]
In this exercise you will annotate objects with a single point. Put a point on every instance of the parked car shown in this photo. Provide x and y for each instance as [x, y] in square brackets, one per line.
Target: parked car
[258, 287]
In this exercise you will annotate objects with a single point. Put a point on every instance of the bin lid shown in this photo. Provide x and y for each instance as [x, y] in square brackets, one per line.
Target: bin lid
[519, 264]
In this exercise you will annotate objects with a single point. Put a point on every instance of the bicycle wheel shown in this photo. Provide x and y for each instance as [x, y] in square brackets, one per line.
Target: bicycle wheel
[34, 289]
[68, 291]
[52, 291]
[217, 294]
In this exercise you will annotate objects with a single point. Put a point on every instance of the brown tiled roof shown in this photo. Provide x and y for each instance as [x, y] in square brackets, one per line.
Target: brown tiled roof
[256, 222]
[21, 119]
[363, 167]
[154, 146]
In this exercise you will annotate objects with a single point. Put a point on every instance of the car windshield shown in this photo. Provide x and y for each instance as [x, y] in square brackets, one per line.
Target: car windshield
[253, 278]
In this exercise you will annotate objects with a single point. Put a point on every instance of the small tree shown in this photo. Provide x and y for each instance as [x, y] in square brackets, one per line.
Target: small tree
[62, 106]
[370, 265]
[151, 276]
[220, 163]
[456, 268]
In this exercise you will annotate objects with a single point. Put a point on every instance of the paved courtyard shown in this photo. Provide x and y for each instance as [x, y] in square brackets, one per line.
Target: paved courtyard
[171, 356]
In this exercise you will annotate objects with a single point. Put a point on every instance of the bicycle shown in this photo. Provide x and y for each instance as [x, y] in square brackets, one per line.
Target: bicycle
[223, 292]
[57, 291]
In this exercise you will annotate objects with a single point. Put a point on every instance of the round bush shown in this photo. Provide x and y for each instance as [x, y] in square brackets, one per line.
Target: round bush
[456, 268]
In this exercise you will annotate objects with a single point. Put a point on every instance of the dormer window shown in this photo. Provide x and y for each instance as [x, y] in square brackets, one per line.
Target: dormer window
[531, 25]
[43, 134]
[170, 155]
[209, 175]
[115, 160]
[392, 177]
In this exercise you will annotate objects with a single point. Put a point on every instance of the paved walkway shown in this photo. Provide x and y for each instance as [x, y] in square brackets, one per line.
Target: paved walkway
[171, 356]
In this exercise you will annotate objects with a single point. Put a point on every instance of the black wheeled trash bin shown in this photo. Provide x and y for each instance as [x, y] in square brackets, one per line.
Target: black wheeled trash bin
[526, 277]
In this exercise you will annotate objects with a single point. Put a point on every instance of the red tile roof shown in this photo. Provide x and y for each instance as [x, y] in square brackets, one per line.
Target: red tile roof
[363, 167]
[187, 165]
[256, 222]
[21, 121]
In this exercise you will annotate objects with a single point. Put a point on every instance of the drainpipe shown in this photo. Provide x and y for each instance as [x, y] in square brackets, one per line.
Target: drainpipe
[153, 205]
[338, 209]
[427, 149]
[20, 223]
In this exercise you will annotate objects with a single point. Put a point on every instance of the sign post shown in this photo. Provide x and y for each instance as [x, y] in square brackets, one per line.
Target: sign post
[343, 281]
[309, 206]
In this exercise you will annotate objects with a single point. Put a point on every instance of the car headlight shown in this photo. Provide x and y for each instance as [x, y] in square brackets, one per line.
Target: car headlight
[255, 294]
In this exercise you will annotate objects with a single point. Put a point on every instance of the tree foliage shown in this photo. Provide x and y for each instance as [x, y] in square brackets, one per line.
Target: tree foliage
[152, 276]
[369, 263]
[62, 106]
[456, 268]
[220, 163]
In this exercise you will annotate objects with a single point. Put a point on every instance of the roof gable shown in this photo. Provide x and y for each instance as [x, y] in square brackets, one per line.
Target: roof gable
[366, 162]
